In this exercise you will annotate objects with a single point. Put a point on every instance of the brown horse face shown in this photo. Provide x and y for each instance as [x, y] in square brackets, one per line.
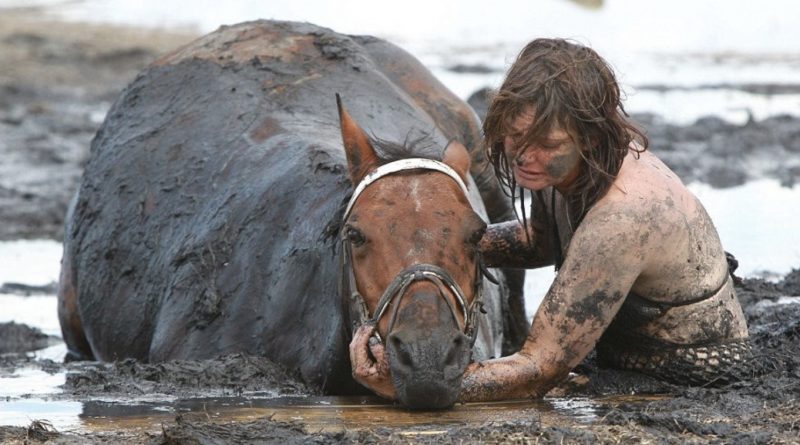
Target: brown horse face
[413, 219]
[409, 218]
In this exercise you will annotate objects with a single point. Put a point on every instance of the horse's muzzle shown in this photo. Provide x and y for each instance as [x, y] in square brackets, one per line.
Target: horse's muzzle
[427, 366]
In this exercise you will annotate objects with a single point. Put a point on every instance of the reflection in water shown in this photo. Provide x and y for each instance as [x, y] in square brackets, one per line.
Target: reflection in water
[328, 414]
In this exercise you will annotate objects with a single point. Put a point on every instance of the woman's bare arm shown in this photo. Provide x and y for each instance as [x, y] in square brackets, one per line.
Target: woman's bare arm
[603, 262]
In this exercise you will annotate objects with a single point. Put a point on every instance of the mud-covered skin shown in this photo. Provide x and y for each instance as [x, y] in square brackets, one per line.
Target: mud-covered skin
[553, 161]
[508, 245]
[562, 165]
[648, 236]
[197, 228]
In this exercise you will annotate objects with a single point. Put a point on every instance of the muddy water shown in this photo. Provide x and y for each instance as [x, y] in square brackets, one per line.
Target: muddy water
[314, 414]
[37, 388]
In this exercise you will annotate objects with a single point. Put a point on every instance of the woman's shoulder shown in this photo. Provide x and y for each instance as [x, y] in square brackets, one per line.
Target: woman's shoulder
[645, 194]
[644, 181]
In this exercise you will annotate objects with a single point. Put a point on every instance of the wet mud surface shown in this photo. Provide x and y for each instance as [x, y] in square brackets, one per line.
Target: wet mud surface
[240, 399]
[16, 337]
[62, 81]
[56, 85]
[233, 374]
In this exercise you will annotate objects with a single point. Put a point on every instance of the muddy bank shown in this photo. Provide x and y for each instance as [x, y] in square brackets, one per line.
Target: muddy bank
[57, 82]
[40, 431]
[232, 374]
[16, 337]
[27, 290]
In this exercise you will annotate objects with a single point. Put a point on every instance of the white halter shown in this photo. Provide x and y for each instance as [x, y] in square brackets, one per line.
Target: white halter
[403, 164]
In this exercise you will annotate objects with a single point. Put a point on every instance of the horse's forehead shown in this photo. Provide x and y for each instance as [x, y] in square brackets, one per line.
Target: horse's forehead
[404, 196]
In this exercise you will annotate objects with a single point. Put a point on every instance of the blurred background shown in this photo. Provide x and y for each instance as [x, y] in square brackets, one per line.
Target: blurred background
[715, 83]
[681, 58]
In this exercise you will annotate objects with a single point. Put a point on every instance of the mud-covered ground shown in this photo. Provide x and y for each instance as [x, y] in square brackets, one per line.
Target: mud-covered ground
[762, 408]
[57, 81]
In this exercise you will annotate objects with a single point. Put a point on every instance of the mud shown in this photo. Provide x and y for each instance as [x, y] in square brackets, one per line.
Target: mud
[64, 78]
[28, 290]
[22, 338]
[232, 374]
[760, 407]
[57, 82]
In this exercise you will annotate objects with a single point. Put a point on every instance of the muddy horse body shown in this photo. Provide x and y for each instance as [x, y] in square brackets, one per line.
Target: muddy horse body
[199, 227]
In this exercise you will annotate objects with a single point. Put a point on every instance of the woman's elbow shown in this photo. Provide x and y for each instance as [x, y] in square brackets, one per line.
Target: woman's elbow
[542, 374]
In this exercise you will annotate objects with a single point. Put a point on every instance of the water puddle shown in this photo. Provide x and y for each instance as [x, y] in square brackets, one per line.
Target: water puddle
[28, 381]
[33, 391]
[62, 415]
[30, 393]
[314, 414]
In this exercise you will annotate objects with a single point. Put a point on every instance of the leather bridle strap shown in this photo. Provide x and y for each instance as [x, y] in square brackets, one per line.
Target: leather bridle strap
[421, 272]
[394, 292]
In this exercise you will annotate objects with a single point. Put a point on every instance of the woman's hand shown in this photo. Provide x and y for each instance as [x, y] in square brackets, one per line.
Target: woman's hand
[507, 244]
[372, 372]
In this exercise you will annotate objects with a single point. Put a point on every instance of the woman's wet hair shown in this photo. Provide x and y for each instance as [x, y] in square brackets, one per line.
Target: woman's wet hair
[569, 86]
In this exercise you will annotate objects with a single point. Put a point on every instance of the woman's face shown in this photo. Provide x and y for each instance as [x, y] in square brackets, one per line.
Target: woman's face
[554, 161]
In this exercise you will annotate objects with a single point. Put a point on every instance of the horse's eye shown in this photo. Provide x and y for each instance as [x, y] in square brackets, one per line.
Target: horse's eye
[355, 236]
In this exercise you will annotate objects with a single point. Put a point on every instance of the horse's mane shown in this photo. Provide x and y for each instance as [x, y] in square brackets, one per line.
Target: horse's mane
[423, 146]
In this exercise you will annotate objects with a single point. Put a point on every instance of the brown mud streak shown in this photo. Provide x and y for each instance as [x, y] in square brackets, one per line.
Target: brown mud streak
[233, 46]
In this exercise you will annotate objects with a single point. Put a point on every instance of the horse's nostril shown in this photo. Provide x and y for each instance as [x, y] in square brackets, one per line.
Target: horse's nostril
[456, 350]
[401, 353]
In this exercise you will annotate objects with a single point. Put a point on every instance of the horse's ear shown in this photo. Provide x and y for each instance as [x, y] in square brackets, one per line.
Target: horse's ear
[361, 157]
[457, 157]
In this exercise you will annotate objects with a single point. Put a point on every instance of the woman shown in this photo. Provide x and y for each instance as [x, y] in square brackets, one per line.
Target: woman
[642, 275]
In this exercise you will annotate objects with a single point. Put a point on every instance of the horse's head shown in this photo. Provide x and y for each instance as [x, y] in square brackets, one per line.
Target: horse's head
[411, 263]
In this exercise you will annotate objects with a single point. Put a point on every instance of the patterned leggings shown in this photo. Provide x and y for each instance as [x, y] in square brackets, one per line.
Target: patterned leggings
[697, 364]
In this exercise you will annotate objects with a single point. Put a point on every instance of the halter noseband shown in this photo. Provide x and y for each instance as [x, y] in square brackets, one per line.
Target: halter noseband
[356, 307]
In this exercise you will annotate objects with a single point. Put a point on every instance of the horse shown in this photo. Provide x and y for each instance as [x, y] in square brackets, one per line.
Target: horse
[214, 214]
